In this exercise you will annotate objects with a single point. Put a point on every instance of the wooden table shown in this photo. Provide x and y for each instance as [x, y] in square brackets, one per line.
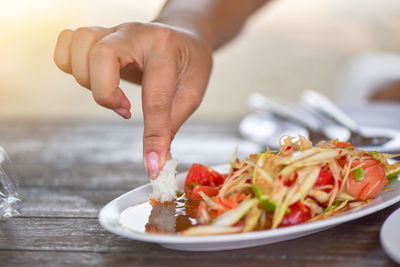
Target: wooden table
[68, 171]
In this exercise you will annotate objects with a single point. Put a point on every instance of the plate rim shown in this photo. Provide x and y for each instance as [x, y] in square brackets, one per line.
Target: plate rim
[263, 234]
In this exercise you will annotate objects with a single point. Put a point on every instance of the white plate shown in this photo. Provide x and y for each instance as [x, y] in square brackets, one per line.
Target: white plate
[109, 216]
[266, 130]
[390, 236]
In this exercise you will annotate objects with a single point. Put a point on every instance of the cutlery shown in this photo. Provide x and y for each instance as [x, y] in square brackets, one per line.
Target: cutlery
[321, 105]
[260, 103]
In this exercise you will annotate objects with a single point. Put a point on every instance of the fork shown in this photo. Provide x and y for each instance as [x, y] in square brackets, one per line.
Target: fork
[321, 105]
[260, 103]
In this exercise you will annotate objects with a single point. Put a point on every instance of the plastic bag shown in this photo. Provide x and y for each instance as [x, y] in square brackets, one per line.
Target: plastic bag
[8, 190]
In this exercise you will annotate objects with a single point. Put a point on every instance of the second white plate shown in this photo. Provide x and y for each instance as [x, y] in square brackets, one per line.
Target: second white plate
[390, 236]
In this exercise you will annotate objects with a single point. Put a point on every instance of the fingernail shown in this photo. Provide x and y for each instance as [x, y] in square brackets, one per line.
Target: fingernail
[153, 163]
[123, 112]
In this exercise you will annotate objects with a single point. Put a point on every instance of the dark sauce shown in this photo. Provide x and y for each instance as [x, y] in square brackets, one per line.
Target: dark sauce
[172, 217]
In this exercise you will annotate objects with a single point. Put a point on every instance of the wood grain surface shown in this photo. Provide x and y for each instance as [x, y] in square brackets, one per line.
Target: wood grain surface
[68, 171]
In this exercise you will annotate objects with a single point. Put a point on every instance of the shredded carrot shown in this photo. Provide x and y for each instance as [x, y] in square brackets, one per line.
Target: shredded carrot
[219, 212]
[213, 214]
[241, 197]
[229, 203]
[218, 201]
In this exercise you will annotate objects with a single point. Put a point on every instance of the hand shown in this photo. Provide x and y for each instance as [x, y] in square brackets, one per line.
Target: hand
[172, 65]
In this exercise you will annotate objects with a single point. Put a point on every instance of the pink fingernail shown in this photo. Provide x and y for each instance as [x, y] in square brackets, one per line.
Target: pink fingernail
[153, 163]
[123, 112]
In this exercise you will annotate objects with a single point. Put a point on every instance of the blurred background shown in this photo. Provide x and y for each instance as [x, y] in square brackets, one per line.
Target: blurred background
[286, 47]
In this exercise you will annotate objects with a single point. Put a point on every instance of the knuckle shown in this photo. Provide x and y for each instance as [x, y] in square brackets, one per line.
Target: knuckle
[85, 33]
[194, 99]
[172, 134]
[103, 99]
[194, 105]
[61, 61]
[163, 37]
[195, 102]
[157, 138]
[61, 55]
[164, 33]
[102, 50]
[64, 33]
[82, 81]
[157, 101]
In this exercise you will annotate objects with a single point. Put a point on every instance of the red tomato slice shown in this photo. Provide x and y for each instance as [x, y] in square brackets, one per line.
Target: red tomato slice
[372, 184]
[325, 177]
[298, 214]
[206, 189]
[200, 175]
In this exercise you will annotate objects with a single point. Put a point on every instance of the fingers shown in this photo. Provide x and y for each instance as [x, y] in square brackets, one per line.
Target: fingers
[159, 134]
[78, 51]
[82, 41]
[62, 53]
[185, 103]
[104, 71]
[190, 93]
[192, 87]
[159, 83]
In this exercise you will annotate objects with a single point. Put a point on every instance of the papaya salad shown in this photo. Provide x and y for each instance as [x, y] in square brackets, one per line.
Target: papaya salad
[297, 184]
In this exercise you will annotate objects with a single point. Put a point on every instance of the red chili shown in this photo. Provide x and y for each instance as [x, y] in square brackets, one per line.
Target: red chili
[291, 179]
[344, 145]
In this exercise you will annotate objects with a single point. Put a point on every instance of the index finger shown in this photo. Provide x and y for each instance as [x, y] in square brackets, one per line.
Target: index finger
[159, 85]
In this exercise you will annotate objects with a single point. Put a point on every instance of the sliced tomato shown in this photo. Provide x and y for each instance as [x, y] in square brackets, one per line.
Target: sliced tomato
[210, 191]
[371, 185]
[325, 177]
[298, 214]
[200, 176]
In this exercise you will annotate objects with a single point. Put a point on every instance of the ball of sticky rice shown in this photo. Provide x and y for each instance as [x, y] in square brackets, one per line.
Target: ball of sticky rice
[164, 186]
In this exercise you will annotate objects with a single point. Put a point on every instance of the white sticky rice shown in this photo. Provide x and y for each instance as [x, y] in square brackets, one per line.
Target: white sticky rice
[164, 186]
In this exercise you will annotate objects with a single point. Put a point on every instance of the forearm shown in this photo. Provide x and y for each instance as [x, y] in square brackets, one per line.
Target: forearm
[214, 21]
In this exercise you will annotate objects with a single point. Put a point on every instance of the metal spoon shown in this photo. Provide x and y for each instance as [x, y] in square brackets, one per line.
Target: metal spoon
[260, 103]
[321, 105]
